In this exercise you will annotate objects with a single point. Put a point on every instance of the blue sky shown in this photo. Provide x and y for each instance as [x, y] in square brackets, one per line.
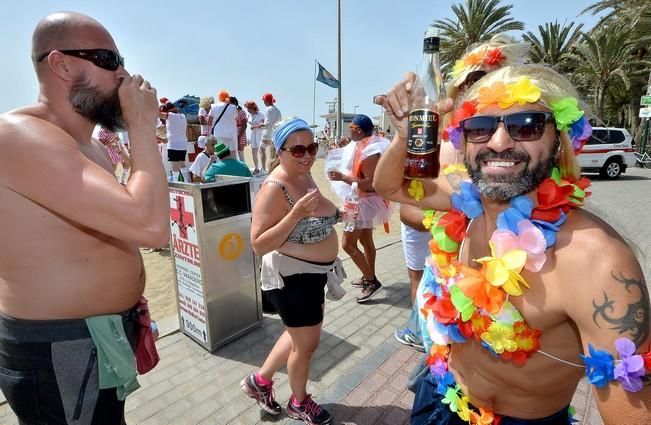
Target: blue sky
[256, 46]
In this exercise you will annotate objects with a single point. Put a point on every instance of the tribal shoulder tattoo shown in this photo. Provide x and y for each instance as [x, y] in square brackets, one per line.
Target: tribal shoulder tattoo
[634, 322]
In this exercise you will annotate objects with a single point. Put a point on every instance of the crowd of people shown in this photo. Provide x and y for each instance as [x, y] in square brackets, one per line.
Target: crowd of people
[506, 306]
[227, 122]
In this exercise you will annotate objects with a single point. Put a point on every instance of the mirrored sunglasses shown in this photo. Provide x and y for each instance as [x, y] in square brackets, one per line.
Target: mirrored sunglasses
[521, 126]
[298, 151]
[103, 58]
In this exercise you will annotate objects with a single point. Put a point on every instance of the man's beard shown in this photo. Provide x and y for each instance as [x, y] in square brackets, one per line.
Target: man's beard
[505, 187]
[99, 108]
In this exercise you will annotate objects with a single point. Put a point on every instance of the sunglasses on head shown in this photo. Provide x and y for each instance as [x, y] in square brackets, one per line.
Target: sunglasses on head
[521, 126]
[472, 78]
[298, 151]
[104, 58]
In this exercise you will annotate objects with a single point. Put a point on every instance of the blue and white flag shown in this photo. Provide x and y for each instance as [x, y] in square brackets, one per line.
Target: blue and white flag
[326, 77]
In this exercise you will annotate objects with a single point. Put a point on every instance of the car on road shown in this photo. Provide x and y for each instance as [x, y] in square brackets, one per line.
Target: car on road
[609, 152]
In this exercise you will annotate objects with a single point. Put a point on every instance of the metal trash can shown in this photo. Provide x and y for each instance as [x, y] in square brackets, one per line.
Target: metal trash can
[217, 283]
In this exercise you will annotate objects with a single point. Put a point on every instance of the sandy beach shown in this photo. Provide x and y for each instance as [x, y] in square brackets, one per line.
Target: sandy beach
[160, 287]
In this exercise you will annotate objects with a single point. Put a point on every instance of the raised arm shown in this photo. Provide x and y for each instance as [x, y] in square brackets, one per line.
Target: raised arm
[389, 178]
[64, 180]
[608, 302]
[364, 183]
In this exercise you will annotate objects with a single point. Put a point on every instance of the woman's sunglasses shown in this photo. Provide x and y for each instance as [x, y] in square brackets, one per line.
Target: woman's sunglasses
[104, 58]
[521, 126]
[298, 151]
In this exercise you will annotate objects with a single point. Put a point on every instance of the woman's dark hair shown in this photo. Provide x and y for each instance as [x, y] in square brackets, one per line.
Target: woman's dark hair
[234, 101]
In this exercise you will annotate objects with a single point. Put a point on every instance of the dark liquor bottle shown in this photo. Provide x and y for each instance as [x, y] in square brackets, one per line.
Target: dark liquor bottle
[423, 133]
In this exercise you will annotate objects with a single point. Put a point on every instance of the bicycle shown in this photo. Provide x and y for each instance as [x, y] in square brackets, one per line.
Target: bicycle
[642, 159]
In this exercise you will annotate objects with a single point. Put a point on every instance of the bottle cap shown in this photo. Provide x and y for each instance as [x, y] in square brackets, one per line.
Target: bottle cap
[353, 186]
[431, 42]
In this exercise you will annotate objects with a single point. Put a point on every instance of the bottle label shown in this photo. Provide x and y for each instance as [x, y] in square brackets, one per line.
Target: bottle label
[422, 132]
[351, 206]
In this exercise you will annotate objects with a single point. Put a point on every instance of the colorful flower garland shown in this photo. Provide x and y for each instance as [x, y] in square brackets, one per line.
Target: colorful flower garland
[470, 303]
[459, 302]
[566, 111]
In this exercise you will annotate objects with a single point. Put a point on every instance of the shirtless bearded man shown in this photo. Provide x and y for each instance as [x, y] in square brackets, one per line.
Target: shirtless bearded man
[74, 231]
[526, 292]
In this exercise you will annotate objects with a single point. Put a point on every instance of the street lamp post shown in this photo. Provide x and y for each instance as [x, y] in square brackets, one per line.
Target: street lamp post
[339, 133]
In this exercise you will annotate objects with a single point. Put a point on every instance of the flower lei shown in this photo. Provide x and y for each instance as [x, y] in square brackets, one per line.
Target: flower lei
[486, 57]
[462, 303]
[566, 111]
[470, 303]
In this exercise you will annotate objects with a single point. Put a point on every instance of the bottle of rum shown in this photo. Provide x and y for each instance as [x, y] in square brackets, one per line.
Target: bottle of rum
[423, 133]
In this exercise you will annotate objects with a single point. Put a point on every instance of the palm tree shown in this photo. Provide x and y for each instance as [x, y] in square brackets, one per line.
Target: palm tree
[476, 20]
[634, 12]
[635, 17]
[603, 57]
[554, 44]
[617, 107]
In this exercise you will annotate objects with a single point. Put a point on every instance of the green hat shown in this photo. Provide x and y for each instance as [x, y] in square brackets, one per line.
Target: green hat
[222, 151]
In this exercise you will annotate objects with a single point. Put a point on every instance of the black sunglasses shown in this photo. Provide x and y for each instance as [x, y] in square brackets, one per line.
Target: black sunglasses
[104, 58]
[521, 126]
[298, 151]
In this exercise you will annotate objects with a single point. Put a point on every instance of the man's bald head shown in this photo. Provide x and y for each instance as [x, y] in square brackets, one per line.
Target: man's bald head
[67, 30]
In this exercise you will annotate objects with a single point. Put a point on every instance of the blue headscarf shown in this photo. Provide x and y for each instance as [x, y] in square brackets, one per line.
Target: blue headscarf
[290, 126]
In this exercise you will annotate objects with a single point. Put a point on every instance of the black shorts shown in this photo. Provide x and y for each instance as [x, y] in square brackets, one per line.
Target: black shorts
[300, 302]
[175, 155]
[49, 374]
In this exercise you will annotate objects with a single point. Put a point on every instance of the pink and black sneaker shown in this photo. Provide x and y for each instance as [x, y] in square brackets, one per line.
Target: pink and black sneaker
[309, 412]
[262, 393]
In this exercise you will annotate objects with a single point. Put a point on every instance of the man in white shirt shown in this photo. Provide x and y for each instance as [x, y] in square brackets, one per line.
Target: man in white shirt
[222, 120]
[177, 139]
[204, 159]
[272, 116]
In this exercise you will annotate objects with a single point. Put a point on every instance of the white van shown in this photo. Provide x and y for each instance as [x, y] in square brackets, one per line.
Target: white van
[609, 151]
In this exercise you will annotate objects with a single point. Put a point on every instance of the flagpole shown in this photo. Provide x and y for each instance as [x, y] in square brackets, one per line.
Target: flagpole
[339, 124]
[314, 97]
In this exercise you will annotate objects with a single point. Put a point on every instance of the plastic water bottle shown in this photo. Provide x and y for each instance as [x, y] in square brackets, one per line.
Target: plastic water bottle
[351, 208]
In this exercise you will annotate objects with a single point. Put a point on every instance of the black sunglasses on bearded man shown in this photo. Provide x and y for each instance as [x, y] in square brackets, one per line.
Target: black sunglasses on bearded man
[103, 58]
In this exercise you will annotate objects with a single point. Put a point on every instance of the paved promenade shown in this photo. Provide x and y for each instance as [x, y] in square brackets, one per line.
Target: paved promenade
[359, 371]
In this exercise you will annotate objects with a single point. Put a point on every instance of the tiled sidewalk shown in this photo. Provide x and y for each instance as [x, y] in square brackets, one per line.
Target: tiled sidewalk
[382, 398]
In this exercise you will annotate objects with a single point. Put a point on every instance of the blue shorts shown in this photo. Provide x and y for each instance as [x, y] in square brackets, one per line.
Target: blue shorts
[428, 409]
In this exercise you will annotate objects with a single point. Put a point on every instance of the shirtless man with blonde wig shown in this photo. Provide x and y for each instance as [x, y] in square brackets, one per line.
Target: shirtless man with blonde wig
[525, 291]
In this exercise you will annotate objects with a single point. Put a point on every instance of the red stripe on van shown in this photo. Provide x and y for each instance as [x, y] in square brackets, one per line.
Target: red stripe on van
[606, 150]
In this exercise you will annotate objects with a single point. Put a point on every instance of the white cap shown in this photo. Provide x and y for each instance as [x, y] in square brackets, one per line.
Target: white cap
[353, 186]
